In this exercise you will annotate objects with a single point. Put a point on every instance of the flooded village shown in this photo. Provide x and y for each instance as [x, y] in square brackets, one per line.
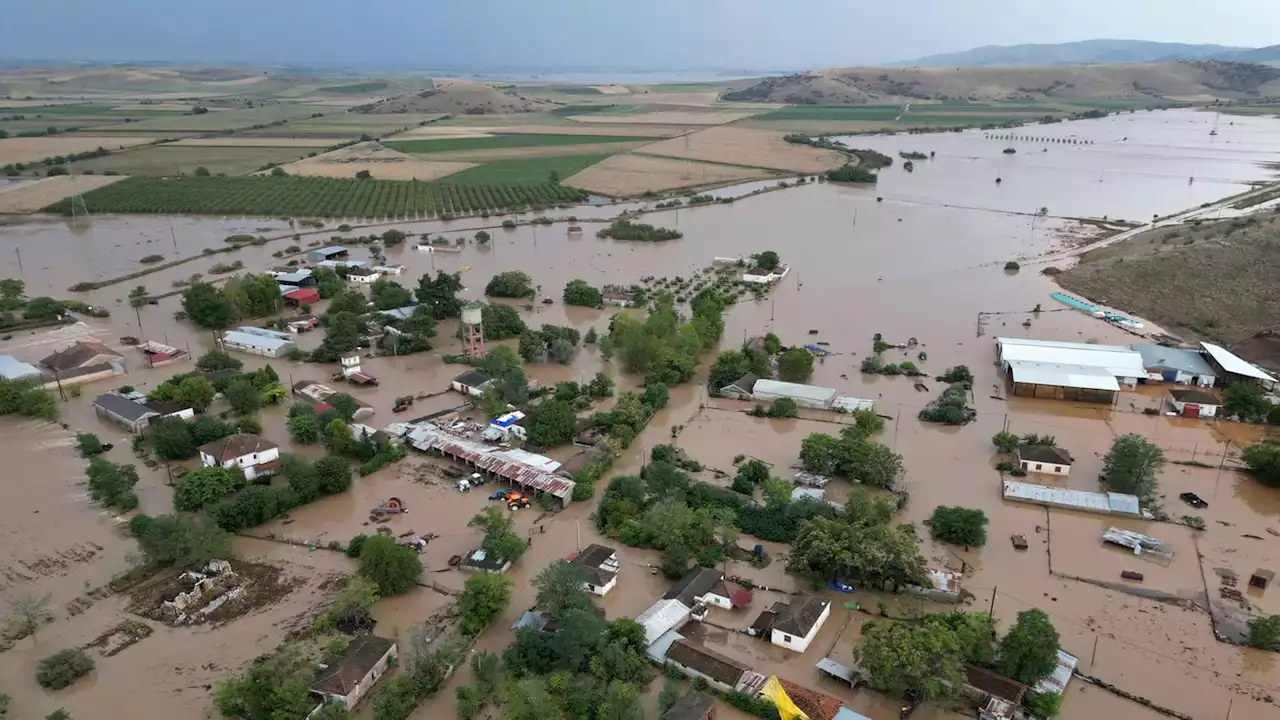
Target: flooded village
[951, 263]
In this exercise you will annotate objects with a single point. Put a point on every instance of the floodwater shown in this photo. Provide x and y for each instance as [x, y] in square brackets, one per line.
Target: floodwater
[925, 263]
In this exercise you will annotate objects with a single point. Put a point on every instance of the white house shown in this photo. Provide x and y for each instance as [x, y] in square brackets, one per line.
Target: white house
[765, 277]
[509, 424]
[471, 382]
[1044, 459]
[349, 677]
[255, 456]
[1195, 403]
[795, 625]
[363, 275]
[599, 567]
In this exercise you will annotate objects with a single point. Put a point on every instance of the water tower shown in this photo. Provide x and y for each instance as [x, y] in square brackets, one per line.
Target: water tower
[473, 329]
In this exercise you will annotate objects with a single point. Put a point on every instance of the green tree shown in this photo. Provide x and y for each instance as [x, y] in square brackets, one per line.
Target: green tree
[24, 616]
[89, 445]
[333, 474]
[1006, 442]
[273, 688]
[1029, 652]
[204, 486]
[396, 699]
[63, 668]
[499, 539]
[901, 658]
[550, 423]
[243, 396]
[484, 597]
[328, 284]
[42, 308]
[332, 711]
[776, 492]
[510, 284]
[768, 260]
[783, 407]
[393, 237]
[1264, 632]
[1132, 465]
[207, 307]
[1263, 460]
[1247, 400]
[578, 292]
[531, 346]
[601, 386]
[874, 554]
[338, 438]
[440, 294]
[560, 589]
[111, 484]
[182, 540]
[12, 289]
[388, 294]
[795, 365]
[562, 351]
[975, 634]
[959, 526]
[728, 367]
[342, 334]
[194, 392]
[201, 171]
[1045, 704]
[470, 701]
[867, 420]
[394, 568]
[24, 397]
[303, 425]
[215, 360]
[487, 671]
[501, 322]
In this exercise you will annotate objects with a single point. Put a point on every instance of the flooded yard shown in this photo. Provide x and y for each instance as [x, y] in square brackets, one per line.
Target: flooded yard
[926, 263]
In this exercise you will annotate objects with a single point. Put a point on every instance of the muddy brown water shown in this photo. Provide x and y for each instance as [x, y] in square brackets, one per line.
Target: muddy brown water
[913, 266]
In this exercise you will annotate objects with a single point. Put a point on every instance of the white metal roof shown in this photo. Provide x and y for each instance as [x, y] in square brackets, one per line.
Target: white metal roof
[237, 338]
[1233, 364]
[662, 616]
[1118, 360]
[1106, 503]
[12, 368]
[1058, 375]
[852, 404]
[777, 388]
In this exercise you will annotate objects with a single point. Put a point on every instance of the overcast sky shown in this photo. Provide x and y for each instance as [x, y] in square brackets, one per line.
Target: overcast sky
[641, 34]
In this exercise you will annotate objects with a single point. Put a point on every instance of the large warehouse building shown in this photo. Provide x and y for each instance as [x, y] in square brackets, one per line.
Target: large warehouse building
[1082, 372]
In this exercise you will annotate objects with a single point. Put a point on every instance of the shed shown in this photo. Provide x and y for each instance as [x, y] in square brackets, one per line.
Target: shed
[302, 296]
[1045, 459]
[1195, 403]
[296, 278]
[348, 677]
[809, 396]
[1104, 503]
[12, 368]
[79, 355]
[1261, 578]
[480, 560]
[1235, 367]
[256, 344]
[327, 253]
[130, 414]
[1057, 381]
[693, 706]
[1176, 365]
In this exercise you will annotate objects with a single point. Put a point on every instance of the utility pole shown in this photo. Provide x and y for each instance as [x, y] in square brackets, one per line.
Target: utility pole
[19, 254]
[577, 533]
[991, 612]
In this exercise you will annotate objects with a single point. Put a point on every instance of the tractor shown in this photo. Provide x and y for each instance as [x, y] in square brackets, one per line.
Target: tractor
[387, 508]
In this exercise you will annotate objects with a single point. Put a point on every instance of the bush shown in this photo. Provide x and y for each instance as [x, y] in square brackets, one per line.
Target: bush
[1012, 265]
[783, 408]
[851, 173]
[1005, 441]
[1045, 705]
[957, 374]
[354, 547]
[63, 668]
[394, 568]
[88, 444]
[959, 526]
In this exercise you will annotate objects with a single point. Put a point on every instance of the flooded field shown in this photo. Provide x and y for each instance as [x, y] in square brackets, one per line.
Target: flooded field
[925, 263]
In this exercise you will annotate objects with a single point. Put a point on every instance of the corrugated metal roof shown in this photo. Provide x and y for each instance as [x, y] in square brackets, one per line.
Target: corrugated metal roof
[1233, 364]
[12, 368]
[661, 617]
[1061, 675]
[769, 389]
[658, 648]
[400, 313]
[293, 277]
[1058, 375]
[428, 437]
[337, 263]
[264, 332]
[1168, 358]
[847, 714]
[1106, 503]
[330, 250]
[852, 404]
[236, 338]
[1118, 360]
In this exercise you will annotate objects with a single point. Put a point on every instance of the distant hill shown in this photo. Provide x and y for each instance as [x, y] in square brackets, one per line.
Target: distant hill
[462, 97]
[1182, 80]
[1085, 52]
[1267, 54]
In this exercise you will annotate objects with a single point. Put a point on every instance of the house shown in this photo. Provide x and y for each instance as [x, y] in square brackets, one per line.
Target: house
[599, 566]
[760, 276]
[693, 706]
[1044, 459]
[347, 678]
[796, 624]
[696, 661]
[390, 269]
[12, 368]
[741, 388]
[695, 585]
[618, 299]
[302, 296]
[156, 354]
[165, 409]
[511, 423]
[480, 560]
[807, 396]
[130, 414]
[317, 394]
[363, 275]
[471, 382]
[255, 344]
[255, 456]
[1175, 365]
[662, 617]
[999, 696]
[326, 253]
[727, 596]
[1082, 372]
[1233, 368]
[80, 355]
[1195, 403]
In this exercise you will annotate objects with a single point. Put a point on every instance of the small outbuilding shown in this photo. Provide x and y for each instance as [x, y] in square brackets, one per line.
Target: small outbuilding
[363, 275]
[1261, 578]
[481, 560]
[693, 706]
[302, 296]
[129, 414]
[348, 678]
[1234, 368]
[1046, 459]
[1195, 403]
[472, 383]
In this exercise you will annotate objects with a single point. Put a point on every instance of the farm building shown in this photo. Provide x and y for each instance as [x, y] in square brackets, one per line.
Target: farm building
[519, 469]
[317, 394]
[255, 344]
[129, 414]
[333, 252]
[295, 278]
[662, 617]
[400, 313]
[599, 565]
[302, 296]
[1233, 368]
[13, 369]
[808, 396]
[1195, 403]
[347, 678]
[335, 264]
[501, 427]
[1069, 371]
[363, 275]
[760, 276]
[1103, 503]
[796, 624]
[741, 388]
[1045, 459]
[255, 456]
[471, 382]
[1176, 365]
[79, 356]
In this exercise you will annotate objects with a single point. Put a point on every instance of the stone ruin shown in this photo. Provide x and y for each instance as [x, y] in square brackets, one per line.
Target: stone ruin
[211, 588]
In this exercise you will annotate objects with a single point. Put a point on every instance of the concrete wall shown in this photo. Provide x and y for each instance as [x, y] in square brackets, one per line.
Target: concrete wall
[1045, 468]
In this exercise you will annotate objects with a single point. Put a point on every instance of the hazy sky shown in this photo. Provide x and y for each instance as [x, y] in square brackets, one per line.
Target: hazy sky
[651, 34]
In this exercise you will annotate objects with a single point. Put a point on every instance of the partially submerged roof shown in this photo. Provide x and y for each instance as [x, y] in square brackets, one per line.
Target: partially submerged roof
[706, 661]
[12, 368]
[123, 407]
[661, 617]
[472, 378]
[77, 355]
[329, 251]
[1170, 358]
[695, 583]
[777, 388]
[693, 706]
[1198, 397]
[234, 446]
[401, 313]
[344, 673]
[1117, 360]
[800, 615]
[744, 384]
[1057, 681]
[1234, 364]
[1045, 454]
[239, 338]
[993, 684]
[1081, 377]
[598, 563]
[427, 437]
[1107, 503]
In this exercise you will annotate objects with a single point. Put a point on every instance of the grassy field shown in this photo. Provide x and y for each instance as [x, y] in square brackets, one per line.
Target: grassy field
[612, 109]
[177, 160]
[497, 142]
[223, 120]
[355, 88]
[532, 170]
[265, 195]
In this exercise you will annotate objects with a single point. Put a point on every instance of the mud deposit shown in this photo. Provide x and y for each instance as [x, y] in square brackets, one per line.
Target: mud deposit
[926, 262]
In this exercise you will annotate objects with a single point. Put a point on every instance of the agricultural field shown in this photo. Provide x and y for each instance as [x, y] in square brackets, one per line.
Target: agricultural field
[496, 142]
[271, 196]
[31, 197]
[525, 171]
[667, 117]
[223, 120]
[627, 175]
[380, 162]
[342, 125]
[241, 141]
[441, 130]
[32, 150]
[358, 88]
[753, 148]
[170, 159]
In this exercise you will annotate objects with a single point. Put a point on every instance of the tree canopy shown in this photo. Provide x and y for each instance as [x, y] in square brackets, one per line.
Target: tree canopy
[510, 284]
[853, 455]
[795, 365]
[578, 292]
[484, 597]
[1132, 465]
[204, 486]
[959, 526]
[899, 658]
[551, 422]
[1029, 651]
[394, 568]
[1263, 460]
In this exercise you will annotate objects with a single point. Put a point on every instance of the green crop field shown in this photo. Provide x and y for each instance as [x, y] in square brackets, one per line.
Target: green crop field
[84, 110]
[184, 159]
[495, 142]
[356, 88]
[522, 171]
[216, 120]
[266, 195]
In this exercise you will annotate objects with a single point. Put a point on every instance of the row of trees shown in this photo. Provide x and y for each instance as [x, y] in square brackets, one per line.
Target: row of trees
[217, 308]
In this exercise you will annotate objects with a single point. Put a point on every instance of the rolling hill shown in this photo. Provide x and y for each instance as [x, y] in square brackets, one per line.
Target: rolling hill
[1085, 52]
[1182, 80]
[459, 97]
